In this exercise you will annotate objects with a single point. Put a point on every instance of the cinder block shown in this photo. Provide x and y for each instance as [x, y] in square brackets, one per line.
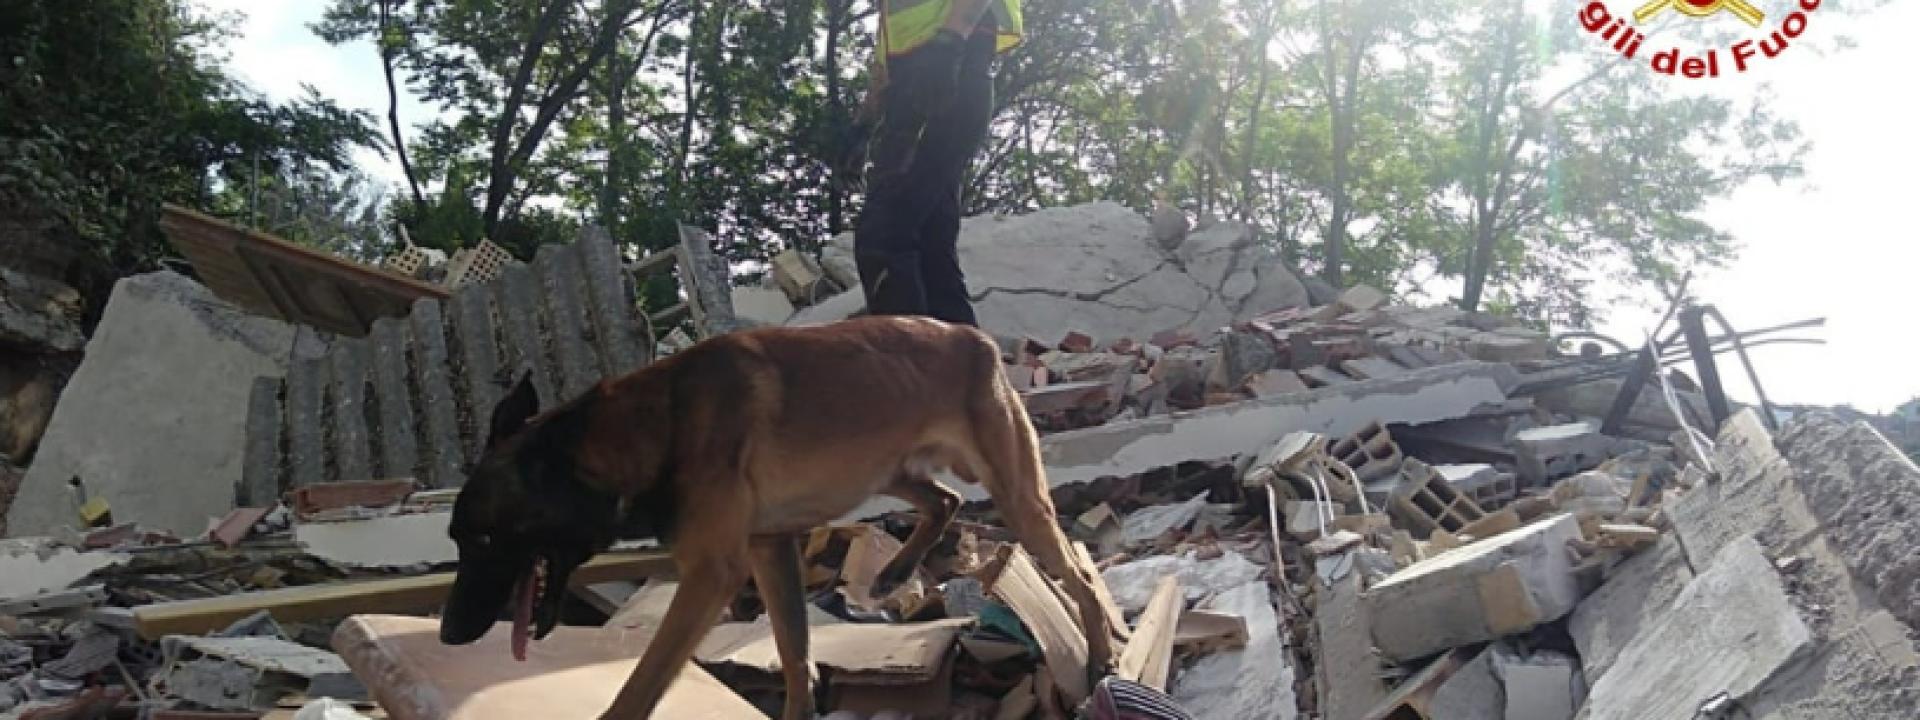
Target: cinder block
[1371, 452]
[1544, 453]
[1424, 502]
[1500, 586]
[1489, 488]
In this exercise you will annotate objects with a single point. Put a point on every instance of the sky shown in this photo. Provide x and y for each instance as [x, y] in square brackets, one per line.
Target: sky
[1839, 244]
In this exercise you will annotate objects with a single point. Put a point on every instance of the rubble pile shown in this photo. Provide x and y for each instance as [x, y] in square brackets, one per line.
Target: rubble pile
[1302, 504]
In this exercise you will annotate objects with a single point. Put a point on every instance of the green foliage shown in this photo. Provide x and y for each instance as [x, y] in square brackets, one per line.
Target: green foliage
[109, 108]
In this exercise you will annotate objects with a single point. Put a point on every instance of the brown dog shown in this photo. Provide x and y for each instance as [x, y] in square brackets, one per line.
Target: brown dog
[728, 452]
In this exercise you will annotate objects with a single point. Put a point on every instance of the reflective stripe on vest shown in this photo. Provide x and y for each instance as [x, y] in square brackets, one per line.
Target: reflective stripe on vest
[908, 24]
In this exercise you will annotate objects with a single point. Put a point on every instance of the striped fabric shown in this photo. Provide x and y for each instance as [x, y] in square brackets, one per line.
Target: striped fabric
[1117, 699]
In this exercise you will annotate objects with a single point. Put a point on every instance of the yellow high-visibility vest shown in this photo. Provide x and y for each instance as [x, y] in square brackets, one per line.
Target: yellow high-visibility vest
[908, 24]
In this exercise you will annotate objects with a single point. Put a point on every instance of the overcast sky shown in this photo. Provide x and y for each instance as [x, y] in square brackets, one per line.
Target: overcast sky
[1841, 244]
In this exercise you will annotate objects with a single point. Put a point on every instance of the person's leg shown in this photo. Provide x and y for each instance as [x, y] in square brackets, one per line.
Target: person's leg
[948, 147]
[886, 237]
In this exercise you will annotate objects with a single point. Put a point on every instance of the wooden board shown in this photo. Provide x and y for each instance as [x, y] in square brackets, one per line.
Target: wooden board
[1150, 656]
[1032, 597]
[399, 595]
[270, 276]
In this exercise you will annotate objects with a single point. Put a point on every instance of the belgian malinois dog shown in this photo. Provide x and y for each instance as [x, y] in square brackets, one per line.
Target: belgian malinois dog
[729, 451]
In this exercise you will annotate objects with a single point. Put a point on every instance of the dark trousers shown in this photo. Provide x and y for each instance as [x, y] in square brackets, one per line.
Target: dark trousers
[904, 241]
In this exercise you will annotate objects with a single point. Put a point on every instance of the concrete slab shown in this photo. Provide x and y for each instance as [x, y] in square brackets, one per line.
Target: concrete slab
[393, 541]
[1637, 591]
[1346, 676]
[31, 566]
[1542, 686]
[1732, 629]
[154, 419]
[1252, 682]
[1865, 493]
[1471, 693]
[1128, 448]
[1500, 586]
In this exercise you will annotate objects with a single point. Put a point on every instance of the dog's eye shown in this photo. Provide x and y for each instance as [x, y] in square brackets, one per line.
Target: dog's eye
[482, 540]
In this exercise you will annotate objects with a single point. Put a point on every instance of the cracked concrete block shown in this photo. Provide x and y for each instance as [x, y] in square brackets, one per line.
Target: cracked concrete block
[564, 310]
[1500, 586]
[761, 306]
[1470, 693]
[154, 419]
[347, 399]
[1636, 591]
[1555, 451]
[443, 451]
[1732, 629]
[1488, 487]
[392, 398]
[515, 296]
[1250, 682]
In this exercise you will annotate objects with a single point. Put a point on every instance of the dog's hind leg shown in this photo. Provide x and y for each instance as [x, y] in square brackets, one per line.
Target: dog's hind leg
[1010, 450]
[776, 572]
[937, 505]
[711, 555]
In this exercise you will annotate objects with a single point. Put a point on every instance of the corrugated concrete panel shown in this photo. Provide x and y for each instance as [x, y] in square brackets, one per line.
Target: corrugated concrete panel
[305, 428]
[347, 401]
[620, 341]
[441, 452]
[568, 331]
[517, 296]
[393, 400]
[260, 470]
[476, 360]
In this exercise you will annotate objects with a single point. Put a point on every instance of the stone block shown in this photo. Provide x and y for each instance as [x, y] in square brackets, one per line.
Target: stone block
[1636, 591]
[1545, 685]
[1544, 453]
[1732, 629]
[1504, 585]
[154, 419]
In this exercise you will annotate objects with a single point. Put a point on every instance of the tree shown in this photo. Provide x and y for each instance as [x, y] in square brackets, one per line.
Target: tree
[110, 107]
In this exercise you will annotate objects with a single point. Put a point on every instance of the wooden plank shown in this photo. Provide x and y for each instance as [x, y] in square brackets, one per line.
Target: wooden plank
[279, 278]
[1032, 597]
[1149, 657]
[399, 595]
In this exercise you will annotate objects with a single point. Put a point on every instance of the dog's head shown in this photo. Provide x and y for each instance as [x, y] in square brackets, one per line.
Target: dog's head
[524, 521]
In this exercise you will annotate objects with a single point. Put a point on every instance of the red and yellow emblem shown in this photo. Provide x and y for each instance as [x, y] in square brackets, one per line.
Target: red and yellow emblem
[1701, 8]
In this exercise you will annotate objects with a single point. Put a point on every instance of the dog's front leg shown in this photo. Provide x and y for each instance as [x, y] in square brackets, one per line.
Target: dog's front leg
[713, 567]
[776, 572]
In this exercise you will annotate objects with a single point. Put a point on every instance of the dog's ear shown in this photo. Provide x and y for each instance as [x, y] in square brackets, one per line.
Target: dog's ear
[511, 413]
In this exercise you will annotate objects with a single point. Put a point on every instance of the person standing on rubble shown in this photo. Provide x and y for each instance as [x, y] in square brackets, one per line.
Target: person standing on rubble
[916, 131]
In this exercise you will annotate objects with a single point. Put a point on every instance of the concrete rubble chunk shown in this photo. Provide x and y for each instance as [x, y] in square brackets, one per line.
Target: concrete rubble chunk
[1544, 453]
[393, 541]
[1132, 583]
[1544, 685]
[260, 474]
[1346, 678]
[1251, 682]
[1636, 592]
[615, 319]
[476, 356]
[1503, 585]
[1732, 629]
[1857, 484]
[1120, 449]
[1149, 523]
[154, 420]
[1095, 268]
[761, 306]
[1471, 693]
[32, 566]
[514, 295]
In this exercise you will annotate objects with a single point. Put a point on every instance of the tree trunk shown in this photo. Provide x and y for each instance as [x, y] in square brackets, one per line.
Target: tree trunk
[393, 106]
[500, 175]
[836, 12]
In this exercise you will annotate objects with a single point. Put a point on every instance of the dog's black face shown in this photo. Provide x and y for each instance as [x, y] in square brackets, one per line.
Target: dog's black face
[523, 523]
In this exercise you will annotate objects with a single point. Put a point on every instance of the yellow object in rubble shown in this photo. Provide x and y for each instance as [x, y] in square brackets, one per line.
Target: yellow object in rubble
[908, 24]
[94, 512]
